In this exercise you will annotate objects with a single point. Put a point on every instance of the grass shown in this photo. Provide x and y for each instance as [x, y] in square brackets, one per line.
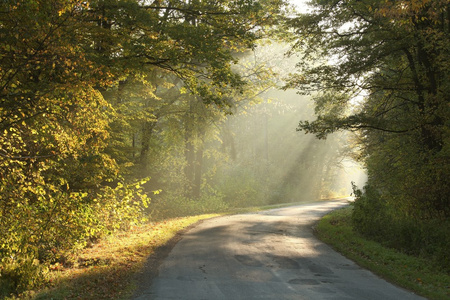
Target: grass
[413, 273]
[107, 269]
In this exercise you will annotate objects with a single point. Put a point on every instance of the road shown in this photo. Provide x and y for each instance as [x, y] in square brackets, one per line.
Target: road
[266, 255]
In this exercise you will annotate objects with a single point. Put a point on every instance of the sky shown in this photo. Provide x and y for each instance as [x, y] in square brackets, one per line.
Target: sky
[300, 4]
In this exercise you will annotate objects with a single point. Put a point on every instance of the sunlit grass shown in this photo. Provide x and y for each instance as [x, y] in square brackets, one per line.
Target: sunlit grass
[416, 274]
[106, 270]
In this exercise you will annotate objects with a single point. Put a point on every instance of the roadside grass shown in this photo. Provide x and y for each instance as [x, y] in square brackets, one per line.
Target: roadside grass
[413, 273]
[107, 269]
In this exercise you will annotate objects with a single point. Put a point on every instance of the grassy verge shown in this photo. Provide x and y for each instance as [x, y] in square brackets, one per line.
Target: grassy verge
[416, 274]
[107, 269]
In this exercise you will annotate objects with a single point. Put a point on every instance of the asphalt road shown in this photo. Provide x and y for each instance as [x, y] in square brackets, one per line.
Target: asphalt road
[267, 255]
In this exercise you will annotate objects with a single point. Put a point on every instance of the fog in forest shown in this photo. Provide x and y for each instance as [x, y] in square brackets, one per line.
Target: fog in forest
[292, 166]
[119, 118]
[251, 156]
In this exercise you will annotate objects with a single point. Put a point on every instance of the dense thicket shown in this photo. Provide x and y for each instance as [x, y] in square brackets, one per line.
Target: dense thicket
[386, 76]
[82, 86]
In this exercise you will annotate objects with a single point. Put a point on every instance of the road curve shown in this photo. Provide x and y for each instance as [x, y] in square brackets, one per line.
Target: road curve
[266, 255]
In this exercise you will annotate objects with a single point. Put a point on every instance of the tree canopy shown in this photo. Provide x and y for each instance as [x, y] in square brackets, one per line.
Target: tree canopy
[394, 50]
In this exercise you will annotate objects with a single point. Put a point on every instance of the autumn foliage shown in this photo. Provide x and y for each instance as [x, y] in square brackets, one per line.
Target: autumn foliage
[63, 181]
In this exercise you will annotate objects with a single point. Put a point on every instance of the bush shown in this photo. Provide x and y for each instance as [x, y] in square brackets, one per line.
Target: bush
[43, 226]
[241, 189]
[369, 213]
[171, 205]
[20, 273]
[374, 218]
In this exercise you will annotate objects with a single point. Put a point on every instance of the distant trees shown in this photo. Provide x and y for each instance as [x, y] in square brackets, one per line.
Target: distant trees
[394, 55]
[192, 142]
[272, 163]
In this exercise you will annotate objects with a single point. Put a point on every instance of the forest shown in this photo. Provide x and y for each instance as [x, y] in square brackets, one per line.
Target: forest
[116, 112]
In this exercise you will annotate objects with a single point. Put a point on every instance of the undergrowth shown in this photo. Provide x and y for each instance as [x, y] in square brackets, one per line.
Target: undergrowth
[106, 269]
[417, 274]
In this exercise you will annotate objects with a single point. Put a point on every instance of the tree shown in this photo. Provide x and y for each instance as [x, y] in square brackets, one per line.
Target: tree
[192, 41]
[394, 56]
[63, 67]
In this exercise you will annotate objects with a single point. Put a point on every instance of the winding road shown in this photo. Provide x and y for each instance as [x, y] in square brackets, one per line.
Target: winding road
[266, 255]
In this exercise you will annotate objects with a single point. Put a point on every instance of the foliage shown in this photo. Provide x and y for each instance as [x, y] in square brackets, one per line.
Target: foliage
[268, 161]
[384, 74]
[173, 137]
[108, 268]
[171, 205]
[427, 238]
[78, 80]
[241, 188]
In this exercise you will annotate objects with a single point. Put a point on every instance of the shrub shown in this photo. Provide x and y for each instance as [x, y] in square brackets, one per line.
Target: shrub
[369, 213]
[41, 228]
[171, 205]
[374, 218]
[242, 189]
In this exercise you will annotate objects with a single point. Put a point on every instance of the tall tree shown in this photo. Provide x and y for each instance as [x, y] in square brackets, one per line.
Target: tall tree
[385, 73]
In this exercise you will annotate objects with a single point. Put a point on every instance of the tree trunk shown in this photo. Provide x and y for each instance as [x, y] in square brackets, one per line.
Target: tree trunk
[189, 150]
[147, 131]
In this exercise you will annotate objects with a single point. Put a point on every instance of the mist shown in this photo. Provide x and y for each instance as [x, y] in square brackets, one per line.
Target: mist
[205, 160]
[288, 165]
